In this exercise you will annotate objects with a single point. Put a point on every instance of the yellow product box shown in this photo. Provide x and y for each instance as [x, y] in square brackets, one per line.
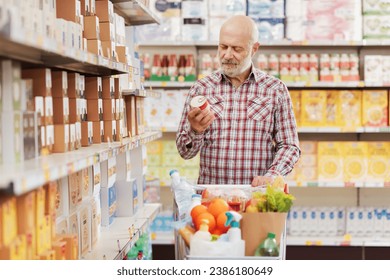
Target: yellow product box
[314, 105]
[71, 247]
[59, 248]
[154, 147]
[25, 212]
[85, 230]
[355, 161]
[374, 109]
[51, 196]
[154, 160]
[40, 196]
[308, 147]
[8, 221]
[48, 255]
[16, 250]
[31, 249]
[172, 160]
[95, 221]
[193, 162]
[191, 174]
[48, 231]
[349, 111]
[296, 103]
[330, 162]
[378, 162]
[308, 174]
[153, 172]
[169, 147]
[332, 104]
[40, 233]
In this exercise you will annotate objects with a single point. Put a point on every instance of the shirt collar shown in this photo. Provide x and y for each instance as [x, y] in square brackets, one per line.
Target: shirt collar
[255, 74]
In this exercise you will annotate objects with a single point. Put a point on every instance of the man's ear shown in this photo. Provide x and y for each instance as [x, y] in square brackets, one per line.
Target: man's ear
[255, 47]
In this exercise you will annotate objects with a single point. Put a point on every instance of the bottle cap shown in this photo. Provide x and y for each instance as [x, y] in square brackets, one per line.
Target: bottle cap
[271, 235]
[172, 171]
[195, 195]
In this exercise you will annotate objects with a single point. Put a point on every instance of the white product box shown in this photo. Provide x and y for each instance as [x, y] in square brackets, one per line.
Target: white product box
[153, 112]
[125, 200]
[266, 9]
[194, 29]
[172, 102]
[376, 27]
[376, 7]
[96, 179]
[85, 229]
[215, 24]
[108, 201]
[373, 69]
[11, 78]
[62, 204]
[351, 221]
[341, 221]
[12, 137]
[194, 9]
[304, 221]
[379, 221]
[226, 8]
[331, 221]
[95, 220]
[368, 221]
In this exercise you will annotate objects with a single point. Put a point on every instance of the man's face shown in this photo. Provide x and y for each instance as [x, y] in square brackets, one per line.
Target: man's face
[234, 58]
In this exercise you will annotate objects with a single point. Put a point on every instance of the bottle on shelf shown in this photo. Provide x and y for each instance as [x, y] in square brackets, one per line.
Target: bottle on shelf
[269, 247]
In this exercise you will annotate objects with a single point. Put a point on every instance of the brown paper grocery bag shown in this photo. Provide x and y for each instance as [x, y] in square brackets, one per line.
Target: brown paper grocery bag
[255, 227]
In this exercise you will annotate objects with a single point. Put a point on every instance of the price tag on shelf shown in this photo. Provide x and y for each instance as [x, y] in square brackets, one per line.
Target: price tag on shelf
[70, 168]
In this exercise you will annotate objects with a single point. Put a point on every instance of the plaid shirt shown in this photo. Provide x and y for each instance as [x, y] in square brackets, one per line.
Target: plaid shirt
[254, 132]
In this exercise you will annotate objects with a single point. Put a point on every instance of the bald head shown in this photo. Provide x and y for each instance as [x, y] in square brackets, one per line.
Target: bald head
[240, 27]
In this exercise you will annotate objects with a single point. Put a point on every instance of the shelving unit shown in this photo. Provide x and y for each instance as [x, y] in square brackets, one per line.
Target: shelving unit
[57, 57]
[134, 12]
[115, 241]
[19, 179]
[308, 193]
[22, 178]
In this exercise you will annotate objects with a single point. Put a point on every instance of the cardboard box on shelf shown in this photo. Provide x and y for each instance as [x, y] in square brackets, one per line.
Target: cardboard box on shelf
[74, 110]
[93, 88]
[8, 221]
[95, 46]
[48, 100]
[98, 132]
[61, 138]
[105, 11]
[59, 84]
[85, 230]
[374, 108]
[86, 134]
[95, 110]
[355, 161]
[109, 109]
[42, 82]
[61, 110]
[378, 168]
[68, 10]
[72, 137]
[108, 87]
[91, 28]
[108, 48]
[108, 201]
[107, 32]
[314, 105]
[330, 162]
[73, 85]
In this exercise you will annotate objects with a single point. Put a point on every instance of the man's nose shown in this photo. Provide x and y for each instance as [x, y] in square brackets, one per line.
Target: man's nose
[229, 53]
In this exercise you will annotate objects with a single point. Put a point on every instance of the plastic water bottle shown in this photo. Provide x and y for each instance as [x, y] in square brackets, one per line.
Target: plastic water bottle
[196, 199]
[269, 247]
[183, 192]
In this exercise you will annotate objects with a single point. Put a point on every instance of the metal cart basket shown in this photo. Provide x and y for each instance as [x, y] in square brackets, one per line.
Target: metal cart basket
[182, 251]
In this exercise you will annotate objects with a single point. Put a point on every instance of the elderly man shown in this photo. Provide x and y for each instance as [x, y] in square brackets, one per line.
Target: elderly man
[249, 135]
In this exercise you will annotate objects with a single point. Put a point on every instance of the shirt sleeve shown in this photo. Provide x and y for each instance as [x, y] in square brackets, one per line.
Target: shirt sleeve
[188, 142]
[286, 136]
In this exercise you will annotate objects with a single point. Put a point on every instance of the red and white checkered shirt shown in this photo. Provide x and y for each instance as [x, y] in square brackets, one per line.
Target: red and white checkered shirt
[254, 132]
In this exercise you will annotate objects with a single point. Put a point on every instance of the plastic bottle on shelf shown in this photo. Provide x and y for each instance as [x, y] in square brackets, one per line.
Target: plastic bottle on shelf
[269, 247]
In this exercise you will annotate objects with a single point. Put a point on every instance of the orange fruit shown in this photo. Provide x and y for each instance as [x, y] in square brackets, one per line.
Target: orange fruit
[198, 209]
[218, 206]
[205, 216]
[217, 231]
[221, 220]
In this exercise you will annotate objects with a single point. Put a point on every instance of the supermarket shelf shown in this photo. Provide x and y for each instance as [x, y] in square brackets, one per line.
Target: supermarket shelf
[165, 84]
[336, 241]
[142, 92]
[338, 184]
[134, 12]
[115, 241]
[385, 129]
[277, 43]
[79, 61]
[24, 177]
[291, 85]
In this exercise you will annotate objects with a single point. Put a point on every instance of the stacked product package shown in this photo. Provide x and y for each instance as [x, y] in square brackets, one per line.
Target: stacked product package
[324, 20]
[269, 17]
[376, 19]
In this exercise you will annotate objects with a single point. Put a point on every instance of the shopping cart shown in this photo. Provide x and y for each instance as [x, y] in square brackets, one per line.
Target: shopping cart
[182, 251]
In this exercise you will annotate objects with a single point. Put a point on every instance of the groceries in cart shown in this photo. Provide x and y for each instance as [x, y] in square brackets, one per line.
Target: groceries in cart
[231, 220]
